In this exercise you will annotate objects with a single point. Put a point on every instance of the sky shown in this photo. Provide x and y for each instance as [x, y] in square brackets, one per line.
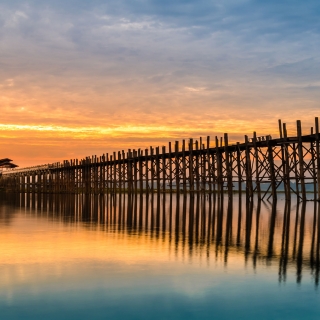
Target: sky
[81, 78]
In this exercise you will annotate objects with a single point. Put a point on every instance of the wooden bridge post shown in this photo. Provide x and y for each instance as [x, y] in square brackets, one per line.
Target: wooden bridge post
[135, 171]
[296, 174]
[313, 169]
[191, 174]
[34, 184]
[123, 171]
[257, 167]
[114, 164]
[272, 170]
[111, 174]
[184, 167]
[147, 169]
[129, 172]
[158, 169]
[219, 179]
[301, 160]
[249, 186]
[140, 170]
[197, 167]
[177, 169]
[27, 182]
[107, 177]
[170, 167]
[228, 165]
[239, 169]
[283, 157]
[202, 157]
[208, 172]
[318, 155]
[152, 163]
[164, 169]
[286, 165]
[83, 175]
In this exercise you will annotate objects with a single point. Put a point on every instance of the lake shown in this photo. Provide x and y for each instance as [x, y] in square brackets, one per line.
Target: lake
[161, 256]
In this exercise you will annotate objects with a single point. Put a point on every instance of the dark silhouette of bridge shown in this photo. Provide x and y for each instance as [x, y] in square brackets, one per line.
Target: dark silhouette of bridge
[262, 165]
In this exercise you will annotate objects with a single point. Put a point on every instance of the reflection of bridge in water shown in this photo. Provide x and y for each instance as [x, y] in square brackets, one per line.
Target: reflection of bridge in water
[209, 226]
[261, 164]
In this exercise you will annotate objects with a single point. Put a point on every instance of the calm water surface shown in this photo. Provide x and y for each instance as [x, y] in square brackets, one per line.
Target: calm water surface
[161, 257]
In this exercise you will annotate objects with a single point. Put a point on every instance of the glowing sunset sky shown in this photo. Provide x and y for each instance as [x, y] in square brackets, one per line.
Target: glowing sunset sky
[88, 77]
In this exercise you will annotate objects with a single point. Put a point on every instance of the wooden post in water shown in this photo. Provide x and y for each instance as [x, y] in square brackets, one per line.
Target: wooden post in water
[184, 167]
[170, 167]
[120, 170]
[158, 169]
[272, 171]
[177, 169]
[191, 174]
[152, 169]
[286, 165]
[107, 173]
[197, 166]
[164, 169]
[296, 174]
[202, 165]
[135, 171]
[146, 152]
[256, 158]
[228, 165]
[239, 169]
[318, 155]
[129, 172]
[283, 157]
[209, 165]
[219, 168]
[140, 170]
[301, 160]
[249, 186]
[124, 171]
[313, 167]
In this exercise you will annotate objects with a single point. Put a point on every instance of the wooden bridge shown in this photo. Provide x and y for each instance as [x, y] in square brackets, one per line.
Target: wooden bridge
[261, 165]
